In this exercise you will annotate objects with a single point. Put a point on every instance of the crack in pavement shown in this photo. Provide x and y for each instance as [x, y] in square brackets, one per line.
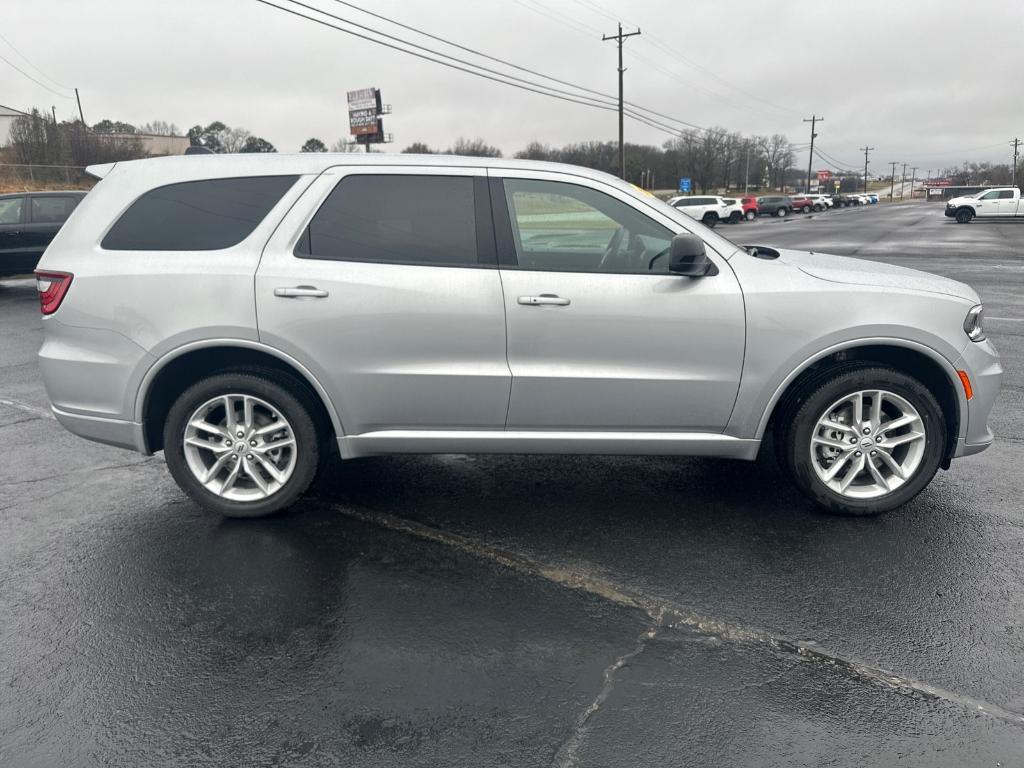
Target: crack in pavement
[567, 753]
[43, 413]
[666, 614]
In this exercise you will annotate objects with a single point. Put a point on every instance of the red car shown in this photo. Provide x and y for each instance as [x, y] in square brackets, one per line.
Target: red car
[803, 204]
[749, 204]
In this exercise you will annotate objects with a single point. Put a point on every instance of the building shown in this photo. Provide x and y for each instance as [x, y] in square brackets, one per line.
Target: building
[7, 117]
[152, 144]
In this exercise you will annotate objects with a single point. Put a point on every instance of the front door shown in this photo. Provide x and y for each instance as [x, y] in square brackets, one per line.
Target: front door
[383, 282]
[600, 335]
[988, 204]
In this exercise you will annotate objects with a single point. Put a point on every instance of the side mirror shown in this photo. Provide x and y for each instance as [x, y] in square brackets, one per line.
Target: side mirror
[687, 257]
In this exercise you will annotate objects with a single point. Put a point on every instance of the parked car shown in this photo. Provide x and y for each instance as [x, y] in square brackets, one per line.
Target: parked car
[845, 201]
[820, 202]
[245, 314]
[987, 204]
[872, 197]
[707, 210]
[750, 209]
[775, 205]
[802, 203]
[28, 222]
[733, 210]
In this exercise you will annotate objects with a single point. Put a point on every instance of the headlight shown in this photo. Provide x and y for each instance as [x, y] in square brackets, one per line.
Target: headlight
[973, 325]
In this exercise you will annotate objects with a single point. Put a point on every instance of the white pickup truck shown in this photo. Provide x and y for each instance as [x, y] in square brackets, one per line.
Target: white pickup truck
[989, 203]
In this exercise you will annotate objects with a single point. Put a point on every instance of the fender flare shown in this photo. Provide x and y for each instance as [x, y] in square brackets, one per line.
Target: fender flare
[937, 357]
[154, 370]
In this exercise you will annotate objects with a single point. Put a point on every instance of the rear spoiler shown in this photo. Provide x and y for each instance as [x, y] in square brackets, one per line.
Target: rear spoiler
[99, 171]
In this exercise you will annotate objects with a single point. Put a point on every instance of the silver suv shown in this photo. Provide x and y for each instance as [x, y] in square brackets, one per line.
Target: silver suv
[249, 314]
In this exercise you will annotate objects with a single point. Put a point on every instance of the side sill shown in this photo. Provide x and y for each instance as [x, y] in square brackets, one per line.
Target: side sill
[606, 443]
[116, 432]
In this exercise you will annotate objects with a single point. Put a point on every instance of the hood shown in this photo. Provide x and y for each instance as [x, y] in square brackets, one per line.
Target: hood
[961, 200]
[842, 269]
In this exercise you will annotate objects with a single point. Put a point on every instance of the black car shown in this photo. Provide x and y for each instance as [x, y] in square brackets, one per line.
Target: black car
[28, 222]
[845, 201]
[775, 205]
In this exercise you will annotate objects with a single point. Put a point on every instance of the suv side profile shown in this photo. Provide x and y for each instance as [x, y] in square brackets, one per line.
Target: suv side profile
[707, 210]
[250, 315]
[775, 205]
[28, 222]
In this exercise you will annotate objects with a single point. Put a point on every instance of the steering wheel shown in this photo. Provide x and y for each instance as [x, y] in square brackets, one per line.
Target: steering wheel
[658, 255]
[613, 247]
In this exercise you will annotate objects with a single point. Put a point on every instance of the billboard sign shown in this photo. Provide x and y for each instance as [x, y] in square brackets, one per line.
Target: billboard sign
[685, 185]
[364, 98]
[362, 121]
[824, 176]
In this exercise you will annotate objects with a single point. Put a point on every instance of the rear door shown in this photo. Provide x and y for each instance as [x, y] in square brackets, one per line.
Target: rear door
[601, 336]
[12, 217]
[383, 282]
[1008, 200]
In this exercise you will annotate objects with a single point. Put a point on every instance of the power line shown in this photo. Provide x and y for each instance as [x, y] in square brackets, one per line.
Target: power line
[488, 56]
[473, 69]
[34, 80]
[29, 62]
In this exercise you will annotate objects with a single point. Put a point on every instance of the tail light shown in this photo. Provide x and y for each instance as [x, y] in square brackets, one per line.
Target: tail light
[52, 287]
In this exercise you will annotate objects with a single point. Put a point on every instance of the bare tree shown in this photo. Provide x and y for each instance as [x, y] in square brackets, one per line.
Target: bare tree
[346, 145]
[473, 148]
[418, 148]
[160, 128]
[778, 156]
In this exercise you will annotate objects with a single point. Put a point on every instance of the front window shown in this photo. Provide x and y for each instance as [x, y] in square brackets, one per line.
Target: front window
[562, 227]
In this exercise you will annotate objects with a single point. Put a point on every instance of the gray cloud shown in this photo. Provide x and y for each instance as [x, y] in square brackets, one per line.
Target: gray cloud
[921, 81]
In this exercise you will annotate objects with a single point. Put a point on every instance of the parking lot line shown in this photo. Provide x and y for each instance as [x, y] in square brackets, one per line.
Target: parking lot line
[669, 615]
[43, 413]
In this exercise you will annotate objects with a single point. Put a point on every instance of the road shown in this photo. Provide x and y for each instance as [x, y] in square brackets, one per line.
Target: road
[527, 611]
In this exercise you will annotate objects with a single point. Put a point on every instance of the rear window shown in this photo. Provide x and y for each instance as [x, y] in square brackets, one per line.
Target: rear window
[395, 219]
[51, 209]
[202, 215]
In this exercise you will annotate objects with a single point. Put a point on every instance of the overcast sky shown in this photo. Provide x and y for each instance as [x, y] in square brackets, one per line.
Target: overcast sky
[929, 82]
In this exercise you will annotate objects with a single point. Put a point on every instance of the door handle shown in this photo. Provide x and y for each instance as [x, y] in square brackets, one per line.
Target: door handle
[301, 292]
[545, 299]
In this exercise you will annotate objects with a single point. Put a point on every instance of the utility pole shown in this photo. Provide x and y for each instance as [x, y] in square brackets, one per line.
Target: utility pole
[54, 110]
[620, 38]
[80, 115]
[813, 120]
[865, 150]
[1013, 172]
[913, 178]
[903, 180]
[746, 173]
[892, 183]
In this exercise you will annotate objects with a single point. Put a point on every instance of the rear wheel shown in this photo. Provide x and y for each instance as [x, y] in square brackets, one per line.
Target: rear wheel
[964, 216]
[241, 444]
[806, 209]
[863, 440]
[750, 215]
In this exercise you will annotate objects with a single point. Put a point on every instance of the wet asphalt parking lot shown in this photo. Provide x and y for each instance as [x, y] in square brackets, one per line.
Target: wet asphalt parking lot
[521, 611]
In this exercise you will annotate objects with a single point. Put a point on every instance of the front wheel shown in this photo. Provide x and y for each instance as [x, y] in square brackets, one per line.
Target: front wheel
[709, 220]
[964, 216]
[241, 444]
[818, 208]
[863, 441]
[781, 212]
[735, 217]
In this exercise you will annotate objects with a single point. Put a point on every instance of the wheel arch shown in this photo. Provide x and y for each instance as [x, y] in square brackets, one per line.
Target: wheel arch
[187, 364]
[917, 360]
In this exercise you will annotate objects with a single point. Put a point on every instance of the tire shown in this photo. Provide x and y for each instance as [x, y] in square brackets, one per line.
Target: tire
[818, 208]
[806, 209]
[805, 461]
[964, 215]
[269, 399]
[709, 220]
[750, 215]
[781, 212]
[735, 217]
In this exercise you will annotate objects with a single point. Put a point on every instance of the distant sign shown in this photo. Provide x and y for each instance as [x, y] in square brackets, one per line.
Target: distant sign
[364, 98]
[362, 121]
[824, 176]
[685, 185]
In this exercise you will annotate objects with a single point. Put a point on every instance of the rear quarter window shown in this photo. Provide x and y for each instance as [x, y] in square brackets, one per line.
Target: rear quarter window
[205, 215]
